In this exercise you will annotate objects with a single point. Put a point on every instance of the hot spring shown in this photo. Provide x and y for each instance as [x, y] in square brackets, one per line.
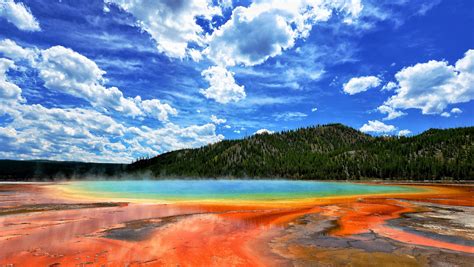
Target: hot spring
[225, 190]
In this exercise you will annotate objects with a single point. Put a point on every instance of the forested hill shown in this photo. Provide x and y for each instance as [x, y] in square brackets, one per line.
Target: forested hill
[325, 152]
[333, 152]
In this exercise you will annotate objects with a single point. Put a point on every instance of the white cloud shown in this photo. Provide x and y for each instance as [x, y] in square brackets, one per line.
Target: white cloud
[314, 109]
[10, 49]
[173, 137]
[223, 88]
[35, 131]
[227, 126]
[64, 134]
[377, 127]
[8, 90]
[456, 111]
[217, 120]
[263, 131]
[391, 113]
[389, 86]
[404, 132]
[195, 54]
[8, 135]
[83, 134]
[66, 71]
[267, 27]
[445, 114]
[266, 35]
[288, 116]
[360, 84]
[225, 3]
[434, 85]
[19, 15]
[172, 24]
[156, 109]
[254, 33]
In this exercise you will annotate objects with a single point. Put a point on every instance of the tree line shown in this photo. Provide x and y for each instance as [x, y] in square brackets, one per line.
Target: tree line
[324, 152]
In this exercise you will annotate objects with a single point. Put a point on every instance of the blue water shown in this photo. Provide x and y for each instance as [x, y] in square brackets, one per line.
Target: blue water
[229, 189]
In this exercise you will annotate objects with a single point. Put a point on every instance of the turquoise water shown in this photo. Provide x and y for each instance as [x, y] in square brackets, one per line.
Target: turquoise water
[229, 189]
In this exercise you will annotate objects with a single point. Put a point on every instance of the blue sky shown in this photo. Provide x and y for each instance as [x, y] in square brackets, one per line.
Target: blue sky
[115, 80]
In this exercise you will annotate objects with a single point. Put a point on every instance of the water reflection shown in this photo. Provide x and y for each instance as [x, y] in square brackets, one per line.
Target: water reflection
[30, 231]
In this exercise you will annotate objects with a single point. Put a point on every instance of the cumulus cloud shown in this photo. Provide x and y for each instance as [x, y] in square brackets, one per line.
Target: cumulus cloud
[377, 127]
[456, 111]
[267, 27]
[56, 133]
[360, 84]
[19, 15]
[389, 86]
[391, 113]
[66, 71]
[314, 109]
[87, 135]
[217, 120]
[8, 90]
[434, 85]
[172, 24]
[223, 87]
[263, 131]
[156, 109]
[254, 33]
[404, 132]
[35, 131]
[445, 114]
[84, 134]
[173, 137]
[266, 35]
[12, 50]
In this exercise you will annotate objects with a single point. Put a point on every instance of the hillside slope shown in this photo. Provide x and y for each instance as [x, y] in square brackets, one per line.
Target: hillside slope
[324, 152]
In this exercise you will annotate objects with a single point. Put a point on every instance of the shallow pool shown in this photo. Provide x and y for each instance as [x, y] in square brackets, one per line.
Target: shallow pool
[252, 190]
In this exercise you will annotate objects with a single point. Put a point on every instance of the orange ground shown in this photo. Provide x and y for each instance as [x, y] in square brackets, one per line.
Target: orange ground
[214, 235]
